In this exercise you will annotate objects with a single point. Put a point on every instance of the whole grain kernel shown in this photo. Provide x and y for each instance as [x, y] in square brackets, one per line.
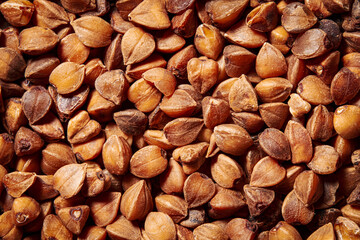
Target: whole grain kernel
[215, 111]
[113, 56]
[16, 183]
[174, 206]
[177, 64]
[7, 220]
[173, 178]
[104, 208]
[162, 79]
[26, 210]
[67, 105]
[184, 24]
[49, 14]
[244, 36]
[274, 114]
[17, 12]
[27, 142]
[74, 77]
[92, 31]
[123, 228]
[267, 172]
[308, 187]
[209, 231]
[192, 154]
[169, 42]
[113, 86]
[281, 39]
[258, 199]
[274, 89]
[326, 231]
[238, 60]
[46, 39]
[93, 69]
[116, 154]
[12, 65]
[71, 49]
[314, 91]
[90, 149]
[74, 218]
[69, 179]
[226, 172]
[344, 86]
[100, 108]
[136, 45]
[275, 144]
[14, 116]
[148, 162]
[242, 96]
[54, 156]
[239, 228]
[36, 103]
[325, 160]
[183, 131]
[263, 18]
[144, 95]
[198, 189]
[320, 124]
[131, 121]
[270, 62]
[225, 203]
[300, 142]
[10, 38]
[225, 13]
[332, 30]
[179, 104]
[136, 201]
[251, 122]
[347, 129]
[232, 139]
[297, 18]
[320, 44]
[54, 228]
[81, 128]
[297, 106]
[202, 73]
[208, 41]
[294, 211]
[154, 221]
[297, 70]
[345, 147]
[150, 14]
[284, 230]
